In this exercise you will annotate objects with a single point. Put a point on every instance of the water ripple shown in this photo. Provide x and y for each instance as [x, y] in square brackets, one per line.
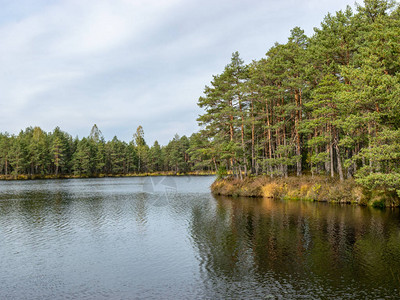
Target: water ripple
[114, 238]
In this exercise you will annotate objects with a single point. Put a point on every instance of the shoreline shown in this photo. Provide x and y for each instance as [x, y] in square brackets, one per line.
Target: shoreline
[306, 188]
[22, 177]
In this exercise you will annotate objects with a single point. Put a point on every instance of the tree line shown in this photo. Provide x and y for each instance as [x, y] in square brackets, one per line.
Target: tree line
[326, 104]
[35, 152]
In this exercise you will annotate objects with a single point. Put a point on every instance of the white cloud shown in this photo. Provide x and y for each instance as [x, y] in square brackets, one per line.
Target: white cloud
[122, 63]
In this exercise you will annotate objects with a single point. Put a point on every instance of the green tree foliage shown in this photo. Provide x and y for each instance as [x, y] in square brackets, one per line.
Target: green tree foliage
[18, 154]
[225, 104]
[176, 154]
[156, 158]
[5, 149]
[142, 150]
[35, 152]
[82, 159]
[328, 104]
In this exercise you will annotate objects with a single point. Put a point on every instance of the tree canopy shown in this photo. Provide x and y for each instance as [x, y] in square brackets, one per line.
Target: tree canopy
[325, 104]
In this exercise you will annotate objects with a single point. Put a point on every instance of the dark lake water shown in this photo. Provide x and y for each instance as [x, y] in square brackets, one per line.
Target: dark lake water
[169, 238]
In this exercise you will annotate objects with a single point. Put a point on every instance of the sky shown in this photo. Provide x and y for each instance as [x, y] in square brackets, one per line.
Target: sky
[124, 63]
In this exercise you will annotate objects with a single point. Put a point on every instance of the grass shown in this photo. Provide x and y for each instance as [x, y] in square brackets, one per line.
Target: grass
[310, 188]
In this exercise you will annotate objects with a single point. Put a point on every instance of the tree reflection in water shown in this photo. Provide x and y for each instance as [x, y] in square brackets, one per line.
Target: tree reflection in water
[292, 247]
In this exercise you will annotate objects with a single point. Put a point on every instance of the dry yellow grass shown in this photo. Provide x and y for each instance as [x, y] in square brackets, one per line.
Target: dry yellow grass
[270, 190]
[317, 188]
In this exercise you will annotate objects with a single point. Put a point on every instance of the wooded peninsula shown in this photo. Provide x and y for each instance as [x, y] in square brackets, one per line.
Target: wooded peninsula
[325, 106]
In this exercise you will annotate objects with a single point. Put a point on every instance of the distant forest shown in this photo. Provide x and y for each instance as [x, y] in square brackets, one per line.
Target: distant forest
[326, 104]
[35, 152]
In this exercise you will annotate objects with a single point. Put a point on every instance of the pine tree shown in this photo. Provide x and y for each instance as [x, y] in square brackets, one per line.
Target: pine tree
[82, 158]
[224, 120]
[58, 150]
[155, 157]
[5, 153]
[141, 149]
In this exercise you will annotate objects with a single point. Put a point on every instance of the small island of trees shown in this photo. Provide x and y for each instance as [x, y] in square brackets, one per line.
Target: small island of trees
[327, 104]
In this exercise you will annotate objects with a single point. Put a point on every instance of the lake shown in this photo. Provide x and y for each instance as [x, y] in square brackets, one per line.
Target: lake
[169, 238]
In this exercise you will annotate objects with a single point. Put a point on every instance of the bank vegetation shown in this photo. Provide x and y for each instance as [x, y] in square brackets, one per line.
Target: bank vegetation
[305, 188]
[324, 105]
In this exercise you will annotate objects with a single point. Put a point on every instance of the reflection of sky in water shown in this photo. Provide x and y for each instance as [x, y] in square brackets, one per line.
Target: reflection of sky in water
[111, 238]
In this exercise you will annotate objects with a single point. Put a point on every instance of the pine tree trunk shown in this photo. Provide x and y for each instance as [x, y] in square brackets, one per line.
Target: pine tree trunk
[215, 164]
[316, 152]
[327, 164]
[231, 136]
[278, 143]
[349, 170]
[331, 167]
[297, 97]
[369, 146]
[285, 166]
[339, 161]
[269, 138]
[354, 163]
[252, 139]
[243, 145]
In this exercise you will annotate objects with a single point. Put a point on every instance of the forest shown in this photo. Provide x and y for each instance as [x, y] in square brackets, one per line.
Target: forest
[35, 152]
[328, 104]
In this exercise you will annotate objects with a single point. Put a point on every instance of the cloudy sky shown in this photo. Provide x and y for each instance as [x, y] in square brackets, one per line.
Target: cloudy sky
[124, 63]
